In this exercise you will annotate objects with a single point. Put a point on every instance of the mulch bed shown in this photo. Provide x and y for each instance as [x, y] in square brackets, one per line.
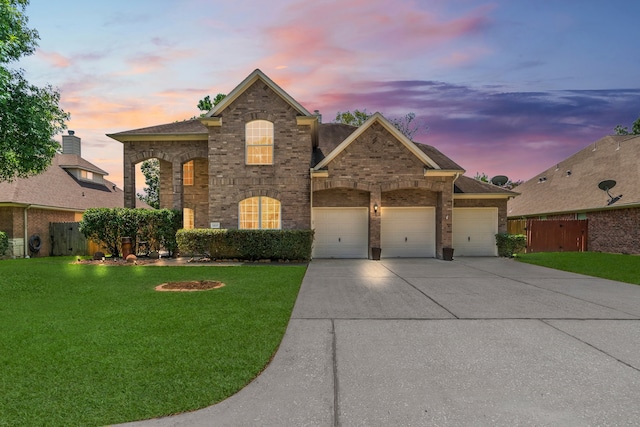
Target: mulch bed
[187, 286]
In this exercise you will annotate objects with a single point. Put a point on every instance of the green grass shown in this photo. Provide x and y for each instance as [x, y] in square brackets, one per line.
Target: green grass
[94, 345]
[623, 268]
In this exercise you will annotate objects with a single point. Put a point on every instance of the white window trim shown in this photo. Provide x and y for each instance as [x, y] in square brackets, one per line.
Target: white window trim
[260, 214]
[247, 145]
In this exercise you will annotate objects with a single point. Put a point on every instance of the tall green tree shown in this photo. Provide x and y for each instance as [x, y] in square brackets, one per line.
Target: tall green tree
[635, 129]
[29, 115]
[151, 193]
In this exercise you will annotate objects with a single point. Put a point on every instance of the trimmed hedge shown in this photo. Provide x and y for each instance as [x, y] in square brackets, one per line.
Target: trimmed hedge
[107, 226]
[510, 244]
[247, 244]
[4, 243]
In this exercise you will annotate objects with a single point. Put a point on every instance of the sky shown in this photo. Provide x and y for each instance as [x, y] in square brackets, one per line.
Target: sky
[504, 87]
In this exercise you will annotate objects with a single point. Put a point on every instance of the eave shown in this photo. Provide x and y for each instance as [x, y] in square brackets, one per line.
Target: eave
[135, 137]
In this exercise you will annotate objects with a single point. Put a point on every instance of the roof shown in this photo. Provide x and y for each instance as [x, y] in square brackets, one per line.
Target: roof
[572, 184]
[410, 145]
[74, 161]
[184, 130]
[472, 187]
[57, 189]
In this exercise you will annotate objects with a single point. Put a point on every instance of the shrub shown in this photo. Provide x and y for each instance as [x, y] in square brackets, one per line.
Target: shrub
[510, 244]
[247, 244]
[4, 243]
[107, 226]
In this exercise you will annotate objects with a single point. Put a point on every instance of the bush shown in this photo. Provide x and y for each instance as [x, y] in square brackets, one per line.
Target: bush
[510, 244]
[247, 244]
[107, 227]
[4, 243]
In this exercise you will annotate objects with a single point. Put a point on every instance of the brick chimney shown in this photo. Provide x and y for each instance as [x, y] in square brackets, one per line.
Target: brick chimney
[71, 144]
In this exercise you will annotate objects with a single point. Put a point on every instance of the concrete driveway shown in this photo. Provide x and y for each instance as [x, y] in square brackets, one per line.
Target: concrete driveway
[476, 341]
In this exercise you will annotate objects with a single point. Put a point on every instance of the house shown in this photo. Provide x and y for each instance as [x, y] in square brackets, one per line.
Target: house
[600, 183]
[60, 194]
[259, 159]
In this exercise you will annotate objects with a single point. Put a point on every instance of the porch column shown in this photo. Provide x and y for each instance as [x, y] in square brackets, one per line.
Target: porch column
[375, 200]
[176, 165]
[129, 185]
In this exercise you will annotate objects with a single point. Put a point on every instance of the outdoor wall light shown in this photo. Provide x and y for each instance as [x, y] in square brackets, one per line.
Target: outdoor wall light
[375, 208]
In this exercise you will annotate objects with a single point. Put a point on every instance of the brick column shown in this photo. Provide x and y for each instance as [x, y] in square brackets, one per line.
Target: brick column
[176, 165]
[129, 185]
[374, 218]
[444, 218]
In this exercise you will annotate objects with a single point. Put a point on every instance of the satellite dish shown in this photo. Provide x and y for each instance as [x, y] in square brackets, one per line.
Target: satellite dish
[499, 180]
[607, 185]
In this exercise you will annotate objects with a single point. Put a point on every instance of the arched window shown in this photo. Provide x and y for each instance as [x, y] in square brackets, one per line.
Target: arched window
[259, 142]
[259, 213]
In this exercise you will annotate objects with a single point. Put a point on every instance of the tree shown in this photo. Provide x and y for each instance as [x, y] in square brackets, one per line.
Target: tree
[151, 171]
[481, 177]
[357, 118]
[635, 129]
[206, 104]
[29, 115]
[407, 124]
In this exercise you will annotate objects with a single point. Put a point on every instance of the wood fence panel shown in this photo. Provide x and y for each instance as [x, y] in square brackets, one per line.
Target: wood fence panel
[557, 235]
[66, 239]
[517, 226]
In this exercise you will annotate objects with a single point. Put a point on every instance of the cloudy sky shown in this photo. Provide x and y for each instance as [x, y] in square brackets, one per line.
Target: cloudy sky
[505, 87]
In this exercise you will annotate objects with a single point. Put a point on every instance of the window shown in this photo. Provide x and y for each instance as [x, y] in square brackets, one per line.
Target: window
[259, 142]
[260, 213]
[187, 173]
[187, 218]
[581, 215]
[86, 174]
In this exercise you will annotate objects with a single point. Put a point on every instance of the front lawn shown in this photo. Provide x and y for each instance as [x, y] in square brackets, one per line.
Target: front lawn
[624, 268]
[95, 345]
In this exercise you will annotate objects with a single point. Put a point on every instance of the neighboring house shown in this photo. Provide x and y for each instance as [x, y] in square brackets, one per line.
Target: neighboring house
[259, 159]
[60, 194]
[572, 190]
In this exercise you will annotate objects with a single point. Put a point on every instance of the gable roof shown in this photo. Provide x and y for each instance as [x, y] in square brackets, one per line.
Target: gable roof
[423, 154]
[572, 184]
[255, 76]
[57, 189]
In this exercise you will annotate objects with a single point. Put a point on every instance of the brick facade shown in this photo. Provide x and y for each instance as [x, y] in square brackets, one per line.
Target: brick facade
[231, 180]
[616, 231]
[377, 167]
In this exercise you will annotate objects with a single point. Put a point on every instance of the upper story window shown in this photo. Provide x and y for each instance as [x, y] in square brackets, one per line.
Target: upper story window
[259, 142]
[259, 213]
[86, 174]
[187, 173]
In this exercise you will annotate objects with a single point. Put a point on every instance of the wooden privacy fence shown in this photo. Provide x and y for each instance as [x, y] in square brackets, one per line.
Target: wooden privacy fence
[553, 235]
[66, 239]
[517, 226]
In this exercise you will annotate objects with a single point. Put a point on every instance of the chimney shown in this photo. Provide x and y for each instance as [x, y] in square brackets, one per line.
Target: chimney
[71, 144]
[318, 115]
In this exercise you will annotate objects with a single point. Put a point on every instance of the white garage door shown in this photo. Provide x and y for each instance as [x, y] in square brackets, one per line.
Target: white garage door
[408, 232]
[474, 231]
[341, 232]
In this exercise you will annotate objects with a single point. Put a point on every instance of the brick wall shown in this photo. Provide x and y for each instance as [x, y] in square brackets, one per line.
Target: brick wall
[196, 196]
[501, 204]
[616, 231]
[287, 180]
[378, 164]
[341, 198]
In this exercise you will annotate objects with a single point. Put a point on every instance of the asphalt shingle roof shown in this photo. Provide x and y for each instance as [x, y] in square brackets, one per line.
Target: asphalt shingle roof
[572, 184]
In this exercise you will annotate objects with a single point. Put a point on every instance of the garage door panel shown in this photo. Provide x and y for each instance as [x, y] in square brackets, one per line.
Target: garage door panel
[474, 231]
[341, 232]
[407, 232]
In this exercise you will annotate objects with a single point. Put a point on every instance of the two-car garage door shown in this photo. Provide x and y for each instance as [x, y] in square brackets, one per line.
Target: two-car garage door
[344, 232]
